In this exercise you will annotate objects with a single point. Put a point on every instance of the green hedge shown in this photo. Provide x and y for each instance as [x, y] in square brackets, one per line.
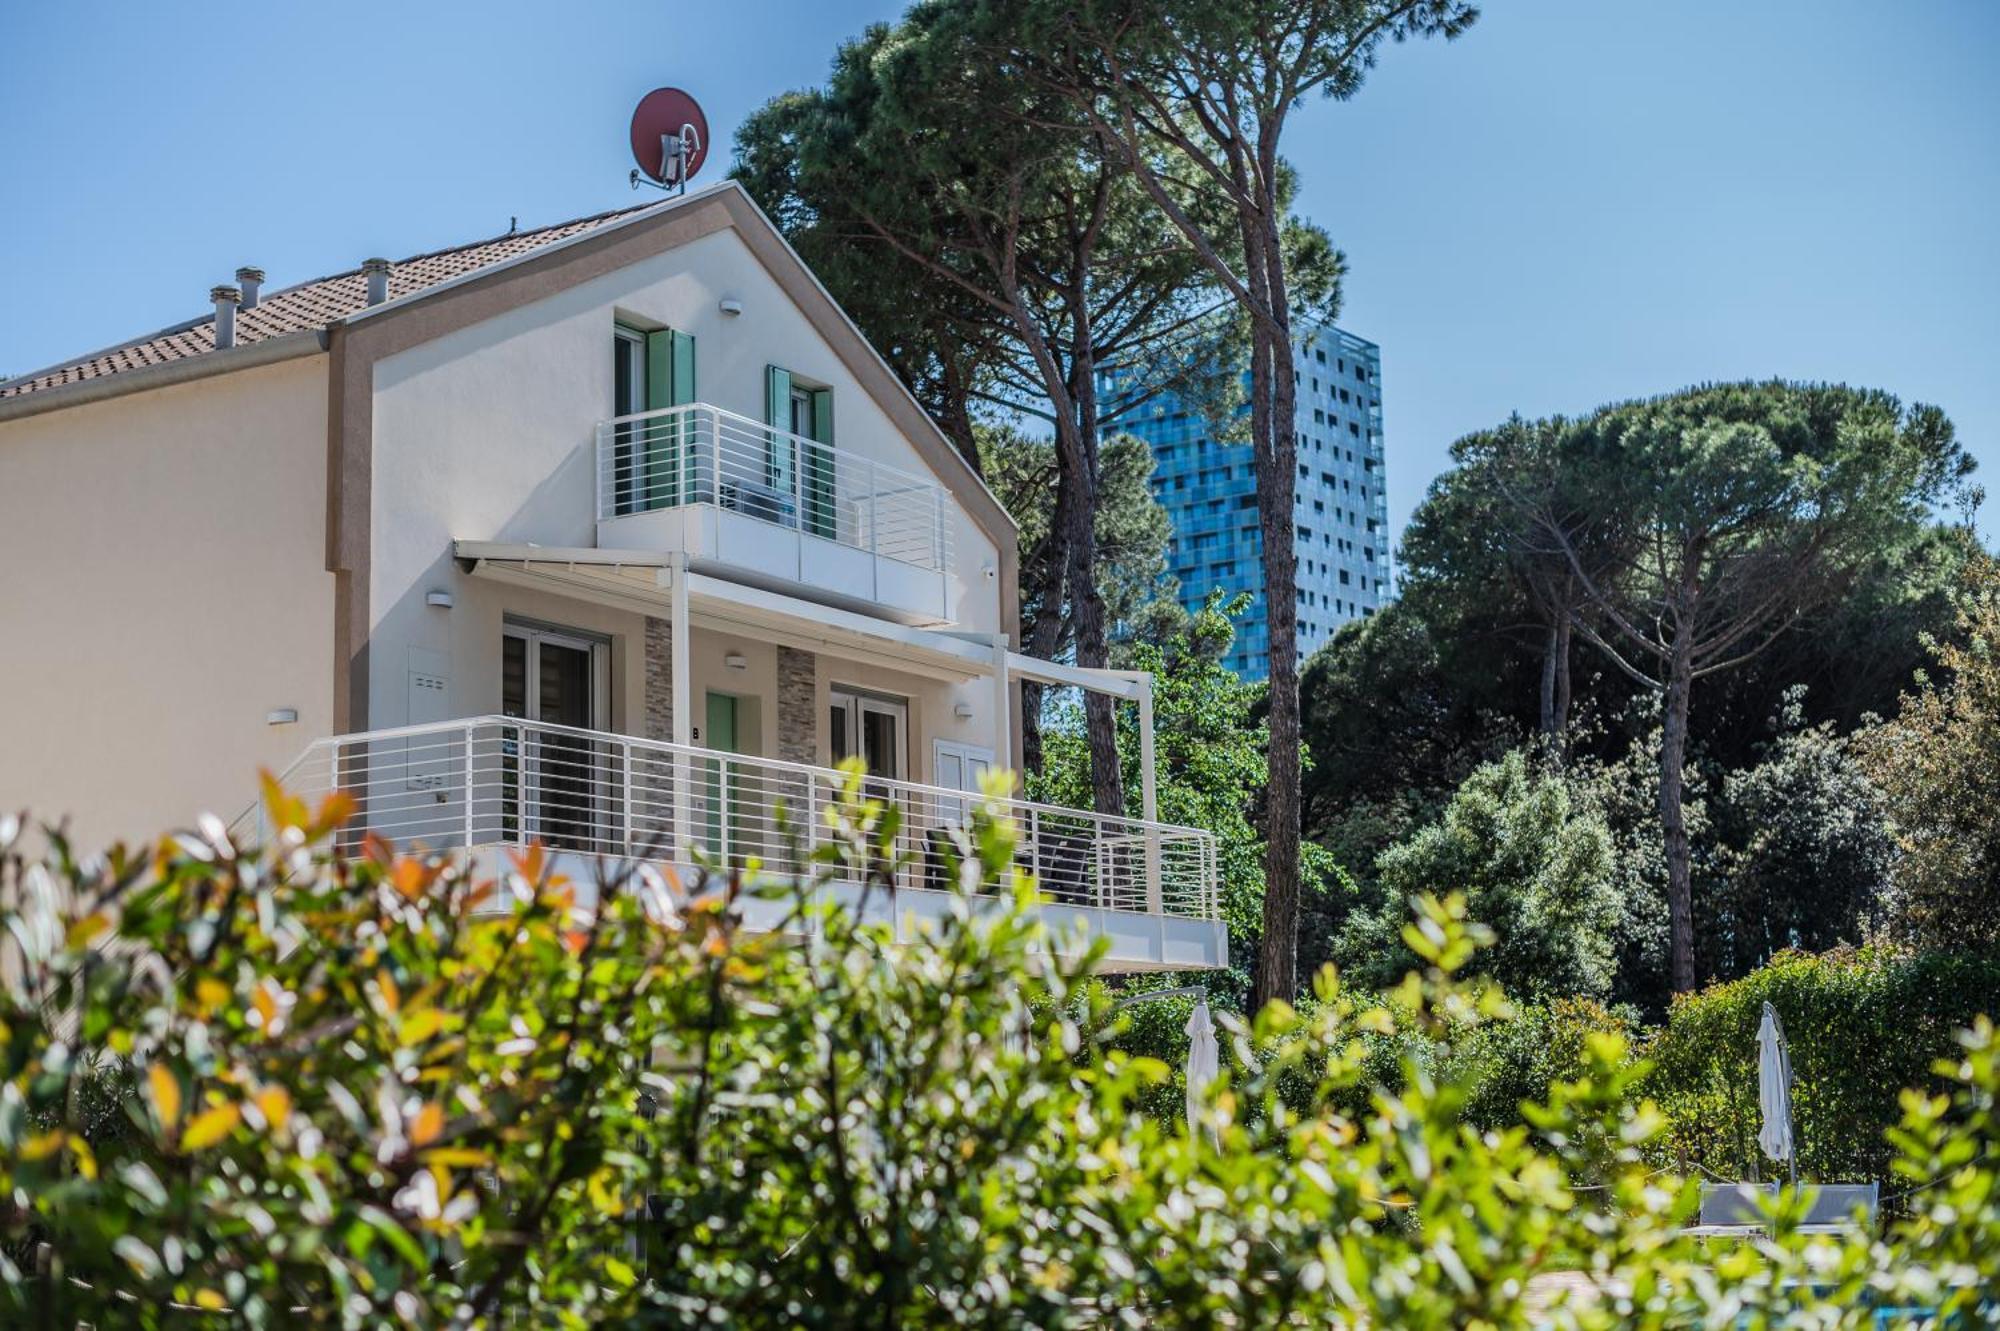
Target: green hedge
[1503, 1062]
[1862, 1025]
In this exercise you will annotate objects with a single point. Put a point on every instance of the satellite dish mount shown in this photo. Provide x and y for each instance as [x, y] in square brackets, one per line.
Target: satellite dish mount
[669, 140]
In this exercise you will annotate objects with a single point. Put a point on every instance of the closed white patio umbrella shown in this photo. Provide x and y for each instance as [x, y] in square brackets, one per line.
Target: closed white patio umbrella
[1203, 1061]
[1774, 1092]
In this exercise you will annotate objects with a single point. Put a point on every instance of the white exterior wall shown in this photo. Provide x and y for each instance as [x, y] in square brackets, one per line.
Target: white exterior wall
[163, 588]
[487, 434]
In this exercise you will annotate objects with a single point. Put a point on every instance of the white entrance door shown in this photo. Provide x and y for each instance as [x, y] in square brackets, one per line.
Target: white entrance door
[556, 780]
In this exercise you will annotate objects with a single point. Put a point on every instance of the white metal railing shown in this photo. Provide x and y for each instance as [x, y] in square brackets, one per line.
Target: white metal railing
[494, 780]
[701, 454]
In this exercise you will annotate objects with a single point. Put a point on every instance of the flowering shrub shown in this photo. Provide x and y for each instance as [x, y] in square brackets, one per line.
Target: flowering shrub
[284, 1086]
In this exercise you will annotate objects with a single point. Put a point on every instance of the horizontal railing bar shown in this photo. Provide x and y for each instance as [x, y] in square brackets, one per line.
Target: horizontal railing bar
[504, 780]
[757, 431]
[643, 744]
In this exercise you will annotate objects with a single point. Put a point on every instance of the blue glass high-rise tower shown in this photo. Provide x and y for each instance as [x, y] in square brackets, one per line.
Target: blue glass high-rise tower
[1340, 519]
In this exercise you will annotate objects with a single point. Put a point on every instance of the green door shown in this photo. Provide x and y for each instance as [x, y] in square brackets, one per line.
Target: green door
[721, 779]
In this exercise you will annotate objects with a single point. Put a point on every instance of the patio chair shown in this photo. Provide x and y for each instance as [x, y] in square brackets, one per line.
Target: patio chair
[1838, 1208]
[1736, 1210]
[1732, 1210]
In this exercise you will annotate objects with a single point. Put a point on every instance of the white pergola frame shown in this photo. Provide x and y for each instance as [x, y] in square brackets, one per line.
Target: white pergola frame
[650, 582]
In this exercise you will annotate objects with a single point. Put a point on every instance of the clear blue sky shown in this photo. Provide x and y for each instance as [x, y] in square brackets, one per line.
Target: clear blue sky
[1578, 201]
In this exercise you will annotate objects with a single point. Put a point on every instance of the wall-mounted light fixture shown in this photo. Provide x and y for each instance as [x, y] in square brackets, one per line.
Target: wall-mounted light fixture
[441, 599]
[730, 306]
[962, 710]
[282, 716]
[736, 661]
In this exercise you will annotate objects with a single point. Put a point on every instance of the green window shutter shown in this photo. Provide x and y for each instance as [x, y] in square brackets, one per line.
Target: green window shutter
[819, 469]
[780, 468]
[669, 383]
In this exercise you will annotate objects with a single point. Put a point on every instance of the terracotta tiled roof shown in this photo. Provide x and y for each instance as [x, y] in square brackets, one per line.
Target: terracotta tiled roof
[309, 305]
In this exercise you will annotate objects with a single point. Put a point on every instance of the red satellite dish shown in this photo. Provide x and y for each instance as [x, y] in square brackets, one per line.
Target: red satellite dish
[669, 136]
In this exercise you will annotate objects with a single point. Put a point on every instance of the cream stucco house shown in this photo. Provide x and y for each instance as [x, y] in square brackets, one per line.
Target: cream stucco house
[614, 534]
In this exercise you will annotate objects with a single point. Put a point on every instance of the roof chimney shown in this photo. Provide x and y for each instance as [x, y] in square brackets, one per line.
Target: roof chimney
[378, 279]
[225, 299]
[249, 279]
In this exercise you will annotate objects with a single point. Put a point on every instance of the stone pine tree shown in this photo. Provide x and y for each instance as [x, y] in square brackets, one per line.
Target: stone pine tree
[938, 341]
[1195, 97]
[1466, 540]
[1744, 506]
[1049, 266]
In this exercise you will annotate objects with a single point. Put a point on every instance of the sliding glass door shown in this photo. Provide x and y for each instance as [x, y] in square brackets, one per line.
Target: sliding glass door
[555, 781]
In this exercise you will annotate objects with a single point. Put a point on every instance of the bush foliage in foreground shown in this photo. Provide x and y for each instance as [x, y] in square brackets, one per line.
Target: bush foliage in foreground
[282, 1088]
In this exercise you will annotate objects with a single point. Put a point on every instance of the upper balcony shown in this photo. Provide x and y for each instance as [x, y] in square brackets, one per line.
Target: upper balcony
[759, 504]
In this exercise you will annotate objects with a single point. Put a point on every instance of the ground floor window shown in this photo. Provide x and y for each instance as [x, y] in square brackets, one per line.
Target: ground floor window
[871, 726]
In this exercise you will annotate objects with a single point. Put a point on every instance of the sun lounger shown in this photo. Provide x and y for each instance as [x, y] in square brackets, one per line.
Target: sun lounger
[1732, 1210]
[1737, 1210]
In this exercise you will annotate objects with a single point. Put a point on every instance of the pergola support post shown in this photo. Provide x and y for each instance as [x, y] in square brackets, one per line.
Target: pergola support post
[683, 728]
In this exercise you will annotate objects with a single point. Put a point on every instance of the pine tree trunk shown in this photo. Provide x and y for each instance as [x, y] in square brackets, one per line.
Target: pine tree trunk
[955, 418]
[1073, 396]
[1562, 686]
[1673, 819]
[1093, 645]
[1273, 397]
[1555, 688]
[1548, 719]
[1042, 587]
[1093, 649]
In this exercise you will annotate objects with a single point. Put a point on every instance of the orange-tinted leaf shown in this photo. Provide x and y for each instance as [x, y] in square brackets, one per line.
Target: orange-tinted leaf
[281, 808]
[410, 877]
[530, 862]
[166, 1090]
[421, 1026]
[87, 928]
[392, 997]
[210, 1126]
[335, 809]
[275, 1103]
[86, 1159]
[43, 1145]
[428, 1124]
[267, 1006]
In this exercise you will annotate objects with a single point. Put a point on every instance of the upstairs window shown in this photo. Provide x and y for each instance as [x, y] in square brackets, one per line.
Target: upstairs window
[799, 468]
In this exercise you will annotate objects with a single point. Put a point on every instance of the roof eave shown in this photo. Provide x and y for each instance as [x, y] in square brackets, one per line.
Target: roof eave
[540, 252]
[248, 355]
